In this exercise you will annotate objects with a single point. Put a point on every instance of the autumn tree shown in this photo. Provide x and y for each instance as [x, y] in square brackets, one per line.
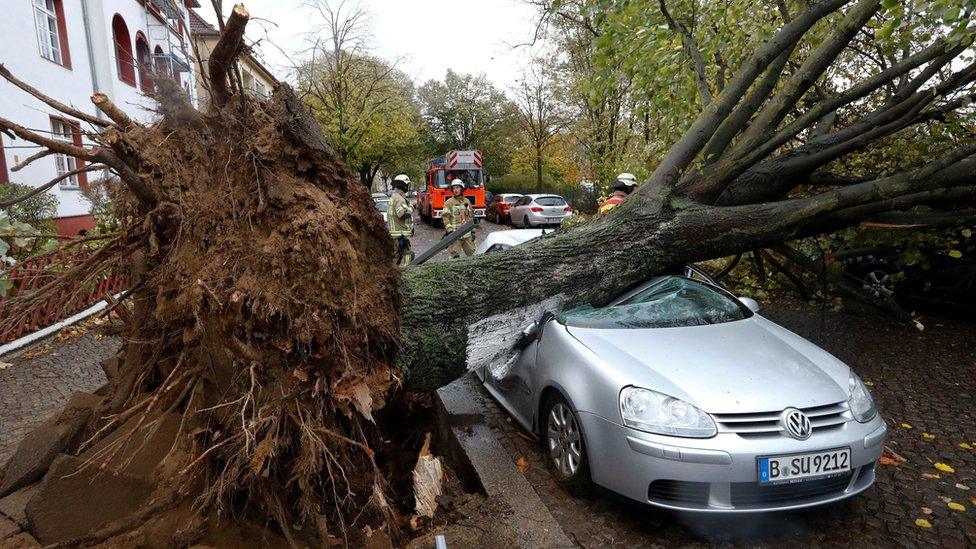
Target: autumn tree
[467, 111]
[541, 111]
[364, 104]
[266, 312]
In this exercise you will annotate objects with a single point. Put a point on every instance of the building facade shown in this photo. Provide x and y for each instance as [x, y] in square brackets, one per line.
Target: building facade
[70, 49]
[257, 79]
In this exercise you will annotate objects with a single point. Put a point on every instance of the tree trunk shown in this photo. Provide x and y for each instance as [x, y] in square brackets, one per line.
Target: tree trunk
[538, 168]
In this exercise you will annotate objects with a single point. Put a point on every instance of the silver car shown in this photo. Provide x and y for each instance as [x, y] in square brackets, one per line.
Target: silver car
[533, 210]
[678, 395]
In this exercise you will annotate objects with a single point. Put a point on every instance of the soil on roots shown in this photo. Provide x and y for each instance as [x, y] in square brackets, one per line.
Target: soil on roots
[264, 314]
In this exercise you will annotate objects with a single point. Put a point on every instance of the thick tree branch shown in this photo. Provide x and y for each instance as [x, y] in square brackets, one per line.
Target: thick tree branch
[54, 145]
[70, 111]
[912, 220]
[812, 68]
[225, 53]
[682, 153]
[111, 110]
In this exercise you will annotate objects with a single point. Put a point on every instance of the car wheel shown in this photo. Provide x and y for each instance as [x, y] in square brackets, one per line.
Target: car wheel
[525, 222]
[563, 440]
[878, 281]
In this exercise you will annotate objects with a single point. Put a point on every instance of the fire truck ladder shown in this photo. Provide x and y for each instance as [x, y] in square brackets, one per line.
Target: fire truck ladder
[174, 56]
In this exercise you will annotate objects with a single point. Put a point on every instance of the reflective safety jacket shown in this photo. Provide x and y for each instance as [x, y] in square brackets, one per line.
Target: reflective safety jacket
[616, 198]
[457, 212]
[399, 215]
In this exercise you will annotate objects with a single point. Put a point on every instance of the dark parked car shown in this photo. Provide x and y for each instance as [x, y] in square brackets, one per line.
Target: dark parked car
[937, 282]
[499, 207]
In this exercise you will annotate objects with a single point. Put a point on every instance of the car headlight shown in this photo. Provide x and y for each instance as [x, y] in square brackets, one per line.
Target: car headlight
[653, 412]
[861, 403]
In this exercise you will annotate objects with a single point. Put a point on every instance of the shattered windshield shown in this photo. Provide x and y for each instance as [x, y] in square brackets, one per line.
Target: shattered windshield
[672, 301]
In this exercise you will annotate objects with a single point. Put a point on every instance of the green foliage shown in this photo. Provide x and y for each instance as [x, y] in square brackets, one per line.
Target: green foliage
[367, 110]
[37, 211]
[468, 112]
[18, 240]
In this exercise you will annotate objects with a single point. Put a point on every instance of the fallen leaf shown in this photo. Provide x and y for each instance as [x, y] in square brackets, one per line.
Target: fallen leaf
[945, 499]
[972, 500]
[956, 506]
[523, 464]
[944, 468]
[5, 365]
[931, 475]
[963, 445]
[928, 436]
[869, 383]
[927, 510]
[890, 457]
[962, 486]
[922, 523]
[905, 426]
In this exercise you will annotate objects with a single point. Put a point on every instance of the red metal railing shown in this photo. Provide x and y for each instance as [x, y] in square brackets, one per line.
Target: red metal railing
[30, 275]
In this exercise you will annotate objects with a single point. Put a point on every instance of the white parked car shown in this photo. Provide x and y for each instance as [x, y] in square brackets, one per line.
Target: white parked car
[533, 210]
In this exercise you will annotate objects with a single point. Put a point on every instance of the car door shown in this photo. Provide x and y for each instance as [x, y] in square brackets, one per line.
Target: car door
[516, 386]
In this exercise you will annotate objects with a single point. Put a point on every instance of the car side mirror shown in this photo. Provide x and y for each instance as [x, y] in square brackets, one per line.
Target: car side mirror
[751, 303]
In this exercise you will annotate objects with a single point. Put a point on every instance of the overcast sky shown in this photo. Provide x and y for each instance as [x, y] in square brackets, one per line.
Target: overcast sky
[470, 36]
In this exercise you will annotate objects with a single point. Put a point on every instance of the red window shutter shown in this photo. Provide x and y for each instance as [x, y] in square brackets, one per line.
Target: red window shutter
[4, 178]
[62, 33]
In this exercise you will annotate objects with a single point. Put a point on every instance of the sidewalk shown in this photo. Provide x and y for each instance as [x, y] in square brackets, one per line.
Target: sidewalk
[38, 381]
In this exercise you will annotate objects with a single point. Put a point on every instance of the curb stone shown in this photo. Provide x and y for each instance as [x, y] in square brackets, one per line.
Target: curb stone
[461, 415]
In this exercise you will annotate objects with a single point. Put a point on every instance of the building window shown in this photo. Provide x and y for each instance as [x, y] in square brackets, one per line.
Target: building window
[161, 62]
[260, 90]
[145, 63]
[123, 51]
[52, 37]
[69, 132]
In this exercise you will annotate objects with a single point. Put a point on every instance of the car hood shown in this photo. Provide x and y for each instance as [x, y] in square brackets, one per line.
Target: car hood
[750, 365]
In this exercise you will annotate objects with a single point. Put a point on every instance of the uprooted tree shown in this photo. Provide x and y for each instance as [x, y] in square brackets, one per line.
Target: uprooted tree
[265, 309]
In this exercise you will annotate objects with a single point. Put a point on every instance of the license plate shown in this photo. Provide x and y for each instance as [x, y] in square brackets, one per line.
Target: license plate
[797, 467]
[554, 219]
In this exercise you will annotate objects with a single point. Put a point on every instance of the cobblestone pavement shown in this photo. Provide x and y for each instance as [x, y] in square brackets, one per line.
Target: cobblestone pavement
[923, 379]
[426, 236]
[39, 380]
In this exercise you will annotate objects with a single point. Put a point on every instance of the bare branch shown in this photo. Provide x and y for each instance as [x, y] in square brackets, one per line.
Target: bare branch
[51, 183]
[70, 111]
[36, 156]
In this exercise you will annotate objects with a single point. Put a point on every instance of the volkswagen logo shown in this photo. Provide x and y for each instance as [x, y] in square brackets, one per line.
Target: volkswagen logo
[796, 423]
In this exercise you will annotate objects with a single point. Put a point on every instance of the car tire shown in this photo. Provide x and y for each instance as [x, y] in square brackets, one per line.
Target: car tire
[877, 279]
[525, 222]
[564, 446]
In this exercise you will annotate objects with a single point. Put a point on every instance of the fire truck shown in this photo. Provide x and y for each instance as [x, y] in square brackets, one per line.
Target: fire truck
[463, 165]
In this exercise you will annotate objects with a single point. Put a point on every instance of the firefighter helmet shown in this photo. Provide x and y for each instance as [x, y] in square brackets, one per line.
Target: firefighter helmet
[457, 183]
[401, 182]
[625, 177]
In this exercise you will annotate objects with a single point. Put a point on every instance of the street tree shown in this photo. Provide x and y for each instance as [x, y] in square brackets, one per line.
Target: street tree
[266, 310]
[364, 104]
[542, 112]
[469, 112]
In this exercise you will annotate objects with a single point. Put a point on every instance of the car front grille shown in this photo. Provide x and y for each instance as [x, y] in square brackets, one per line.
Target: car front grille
[746, 494]
[765, 424]
[679, 491]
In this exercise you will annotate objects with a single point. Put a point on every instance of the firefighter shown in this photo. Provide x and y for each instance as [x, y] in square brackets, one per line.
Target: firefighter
[623, 186]
[399, 218]
[457, 212]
